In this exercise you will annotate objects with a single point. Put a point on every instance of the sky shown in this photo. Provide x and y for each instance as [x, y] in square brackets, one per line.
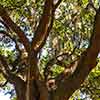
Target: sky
[4, 97]
[4, 94]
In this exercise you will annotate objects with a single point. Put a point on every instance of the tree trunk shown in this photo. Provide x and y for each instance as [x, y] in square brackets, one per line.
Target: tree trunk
[37, 91]
[33, 88]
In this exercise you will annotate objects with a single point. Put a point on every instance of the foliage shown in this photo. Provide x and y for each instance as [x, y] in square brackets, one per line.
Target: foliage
[72, 29]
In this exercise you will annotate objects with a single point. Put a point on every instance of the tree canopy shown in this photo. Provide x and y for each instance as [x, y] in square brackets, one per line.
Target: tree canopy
[50, 48]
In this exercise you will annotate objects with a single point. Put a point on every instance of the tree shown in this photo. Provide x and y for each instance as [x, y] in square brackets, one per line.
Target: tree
[73, 55]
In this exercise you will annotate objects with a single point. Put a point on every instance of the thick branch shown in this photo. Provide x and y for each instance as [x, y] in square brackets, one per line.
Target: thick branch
[48, 31]
[4, 15]
[44, 27]
[86, 63]
[54, 7]
[20, 87]
[6, 33]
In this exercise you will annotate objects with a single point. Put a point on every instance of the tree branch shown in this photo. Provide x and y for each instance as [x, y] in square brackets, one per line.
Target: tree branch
[4, 84]
[57, 4]
[12, 78]
[5, 65]
[1, 21]
[90, 4]
[48, 31]
[86, 63]
[45, 25]
[4, 15]
[16, 62]
[68, 71]
[6, 34]
[56, 60]
[41, 32]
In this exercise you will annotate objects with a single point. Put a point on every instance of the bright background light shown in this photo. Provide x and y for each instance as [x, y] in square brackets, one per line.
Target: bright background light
[4, 97]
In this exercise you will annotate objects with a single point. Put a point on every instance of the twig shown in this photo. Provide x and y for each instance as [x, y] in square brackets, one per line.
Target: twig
[5, 83]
